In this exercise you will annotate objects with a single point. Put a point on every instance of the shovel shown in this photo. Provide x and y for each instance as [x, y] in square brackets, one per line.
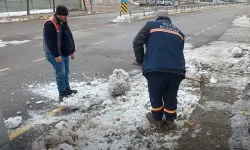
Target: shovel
[245, 91]
[200, 80]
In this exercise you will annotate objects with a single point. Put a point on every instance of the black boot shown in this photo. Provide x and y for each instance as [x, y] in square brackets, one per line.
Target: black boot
[62, 95]
[70, 92]
[170, 124]
[150, 117]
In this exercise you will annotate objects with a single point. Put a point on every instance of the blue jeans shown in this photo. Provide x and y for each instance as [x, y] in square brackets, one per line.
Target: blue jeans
[62, 71]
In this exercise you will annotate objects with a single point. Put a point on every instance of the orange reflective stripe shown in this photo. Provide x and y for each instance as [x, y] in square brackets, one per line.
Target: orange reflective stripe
[170, 111]
[55, 24]
[157, 109]
[165, 30]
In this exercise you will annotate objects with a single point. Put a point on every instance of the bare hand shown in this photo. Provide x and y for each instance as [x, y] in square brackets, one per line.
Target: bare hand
[72, 56]
[58, 59]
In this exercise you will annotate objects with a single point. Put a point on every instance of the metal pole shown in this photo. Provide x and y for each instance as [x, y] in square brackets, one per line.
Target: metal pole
[143, 12]
[32, 5]
[120, 13]
[28, 7]
[130, 12]
[6, 7]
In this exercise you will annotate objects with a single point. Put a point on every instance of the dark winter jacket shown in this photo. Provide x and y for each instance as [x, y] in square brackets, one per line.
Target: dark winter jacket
[164, 47]
[58, 39]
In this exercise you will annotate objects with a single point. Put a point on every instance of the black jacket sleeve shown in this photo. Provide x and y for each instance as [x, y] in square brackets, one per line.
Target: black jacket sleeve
[50, 36]
[139, 41]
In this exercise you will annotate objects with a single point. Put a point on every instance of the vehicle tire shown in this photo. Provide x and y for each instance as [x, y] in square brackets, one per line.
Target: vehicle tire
[140, 4]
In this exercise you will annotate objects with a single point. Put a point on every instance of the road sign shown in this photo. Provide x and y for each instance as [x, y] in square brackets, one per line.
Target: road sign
[123, 1]
[124, 7]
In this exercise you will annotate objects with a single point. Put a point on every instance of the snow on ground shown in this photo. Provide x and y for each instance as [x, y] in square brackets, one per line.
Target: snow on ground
[111, 122]
[136, 3]
[13, 122]
[133, 17]
[5, 43]
[21, 13]
[242, 21]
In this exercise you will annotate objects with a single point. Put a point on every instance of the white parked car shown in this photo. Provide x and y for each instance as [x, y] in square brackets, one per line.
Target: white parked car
[163, 3]
[147, 2]
[4, 137]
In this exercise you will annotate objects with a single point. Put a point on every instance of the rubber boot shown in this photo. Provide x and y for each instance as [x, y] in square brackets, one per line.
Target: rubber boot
[150, 117]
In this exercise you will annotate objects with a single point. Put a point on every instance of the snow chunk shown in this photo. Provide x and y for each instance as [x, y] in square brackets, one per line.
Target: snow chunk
[119, 82]
[62, 133]
[40, 102]
[13, 122]
[242, 21]
[213, 80]
[237, 52]
[65, 146]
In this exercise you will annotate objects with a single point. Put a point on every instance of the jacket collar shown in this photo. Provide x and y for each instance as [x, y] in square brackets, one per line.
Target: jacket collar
[164, 18]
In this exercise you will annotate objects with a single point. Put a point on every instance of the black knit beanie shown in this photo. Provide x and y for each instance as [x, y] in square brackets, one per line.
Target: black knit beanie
[62, 10]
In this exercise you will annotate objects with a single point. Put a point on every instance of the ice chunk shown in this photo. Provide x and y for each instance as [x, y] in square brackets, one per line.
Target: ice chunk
[13, 122]
[213, 80]
[119, 82]
[65, 146]
[237, 52]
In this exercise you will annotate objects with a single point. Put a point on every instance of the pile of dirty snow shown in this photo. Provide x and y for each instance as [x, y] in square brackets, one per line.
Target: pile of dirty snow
[13, 122]
[119, 82]
[242, 21]
[57, 137]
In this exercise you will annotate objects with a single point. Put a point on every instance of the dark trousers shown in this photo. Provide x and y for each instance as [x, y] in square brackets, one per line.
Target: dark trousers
[163, 88]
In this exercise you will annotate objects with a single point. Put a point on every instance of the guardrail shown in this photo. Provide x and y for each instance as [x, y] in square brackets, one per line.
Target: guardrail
[182, 7]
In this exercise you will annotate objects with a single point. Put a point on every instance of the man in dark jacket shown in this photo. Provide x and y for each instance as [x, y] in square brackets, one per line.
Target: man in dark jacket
[58, 46]
[163, 65]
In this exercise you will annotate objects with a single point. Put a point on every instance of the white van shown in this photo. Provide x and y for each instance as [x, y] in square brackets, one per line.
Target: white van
[4, 137]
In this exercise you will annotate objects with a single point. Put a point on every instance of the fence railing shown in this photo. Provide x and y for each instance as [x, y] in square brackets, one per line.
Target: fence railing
[7, 6]
[182, 7]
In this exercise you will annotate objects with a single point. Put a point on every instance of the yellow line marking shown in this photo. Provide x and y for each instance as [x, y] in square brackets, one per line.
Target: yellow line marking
[24, 129]
[54, 112]
[5, 69]
[19, 132]
[40, 59]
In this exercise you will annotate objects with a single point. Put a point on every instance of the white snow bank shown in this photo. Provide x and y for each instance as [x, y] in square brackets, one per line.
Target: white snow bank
[119, 82]
[242, 21]
[5, 43]
[206, 57]
[13, 122]
[21, 13]
[133, 17]
[136, 3]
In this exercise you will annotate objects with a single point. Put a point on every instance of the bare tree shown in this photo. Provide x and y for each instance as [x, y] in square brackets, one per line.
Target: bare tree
[85, 7]
[54, 6]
